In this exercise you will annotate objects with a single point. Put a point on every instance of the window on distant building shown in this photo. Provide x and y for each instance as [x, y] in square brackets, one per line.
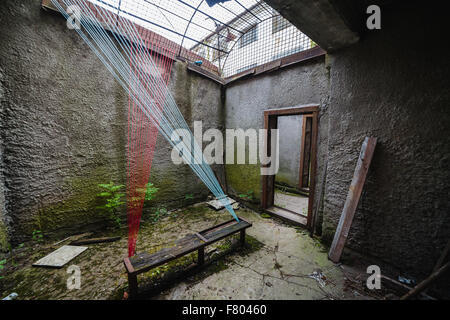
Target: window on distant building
[279, 23]
[249, 37]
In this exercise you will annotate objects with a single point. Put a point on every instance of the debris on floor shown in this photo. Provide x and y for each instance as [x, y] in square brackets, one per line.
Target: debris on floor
[59, 257]
[217, 204]
[407, 281]
[319, 277]
[296, 255]
[93, 241]
[73, 238]
[12, 296]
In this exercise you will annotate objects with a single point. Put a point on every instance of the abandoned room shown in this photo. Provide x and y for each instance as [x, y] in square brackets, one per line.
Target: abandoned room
[224, 150]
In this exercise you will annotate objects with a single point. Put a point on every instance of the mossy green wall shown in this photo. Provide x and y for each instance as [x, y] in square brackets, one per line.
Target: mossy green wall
[3, 237]
[64, 121]
[244, 180]
[3, 230]
[64, 126]
[247, 99]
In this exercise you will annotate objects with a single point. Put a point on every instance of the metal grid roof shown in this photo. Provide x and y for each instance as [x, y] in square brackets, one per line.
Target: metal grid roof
[233, 35]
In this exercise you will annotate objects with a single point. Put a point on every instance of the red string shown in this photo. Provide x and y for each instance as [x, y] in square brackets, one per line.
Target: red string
[142, 133]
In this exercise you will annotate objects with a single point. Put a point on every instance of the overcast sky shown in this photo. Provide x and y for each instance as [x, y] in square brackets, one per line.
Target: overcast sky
[170, 14]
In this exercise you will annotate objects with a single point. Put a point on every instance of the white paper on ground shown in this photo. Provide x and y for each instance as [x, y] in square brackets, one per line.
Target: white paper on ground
[60, 257]
[217, 204]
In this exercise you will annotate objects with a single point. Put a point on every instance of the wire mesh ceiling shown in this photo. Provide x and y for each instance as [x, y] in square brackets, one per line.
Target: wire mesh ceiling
[231, 36]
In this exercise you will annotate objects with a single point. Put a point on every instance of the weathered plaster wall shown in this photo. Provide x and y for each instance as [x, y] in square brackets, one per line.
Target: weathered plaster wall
[199, 99]
[3, 229]
[246, 100]
[393, 85]
[3, 217]
[63, 132]
[64, 122]
[321, 21]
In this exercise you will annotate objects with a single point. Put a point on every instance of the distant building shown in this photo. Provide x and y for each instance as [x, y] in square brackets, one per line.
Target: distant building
[262, 39]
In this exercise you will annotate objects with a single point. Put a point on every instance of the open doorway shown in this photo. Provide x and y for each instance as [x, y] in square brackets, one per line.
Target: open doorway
[288, 194]
[292, 179]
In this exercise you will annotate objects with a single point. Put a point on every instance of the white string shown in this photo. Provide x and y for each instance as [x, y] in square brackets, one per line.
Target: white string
[114, 49]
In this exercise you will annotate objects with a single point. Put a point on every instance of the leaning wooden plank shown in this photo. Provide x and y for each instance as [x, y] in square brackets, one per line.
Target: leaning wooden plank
[58, 258]
[441, 260]
[399, 287]
[427, 282]
[352, 201]
[72, 238]
[444, 255]
[96, 240]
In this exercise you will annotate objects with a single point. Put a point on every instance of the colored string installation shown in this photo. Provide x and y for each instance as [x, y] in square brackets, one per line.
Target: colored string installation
[141, 62]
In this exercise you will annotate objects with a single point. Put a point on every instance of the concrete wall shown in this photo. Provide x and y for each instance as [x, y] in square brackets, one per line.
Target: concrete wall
[290, 131]
[3, 217]
[393, 85]
[199, 99]
[64, 121]
[63, 132]
[246, 100]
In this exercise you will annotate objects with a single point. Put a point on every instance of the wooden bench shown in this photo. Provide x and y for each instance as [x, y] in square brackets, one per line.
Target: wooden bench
[143, 262]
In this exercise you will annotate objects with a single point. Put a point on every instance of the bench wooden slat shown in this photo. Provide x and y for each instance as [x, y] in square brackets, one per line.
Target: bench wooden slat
[143, 262]
[222, 225]
[216, 235]
[201, 237]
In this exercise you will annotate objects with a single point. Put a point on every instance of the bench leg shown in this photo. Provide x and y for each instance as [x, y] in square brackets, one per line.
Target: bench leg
[242, 237]
[132, 285]
[201, 256]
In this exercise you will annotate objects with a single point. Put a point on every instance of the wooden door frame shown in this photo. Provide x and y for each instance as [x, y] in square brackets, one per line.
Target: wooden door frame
[268, 182]
[301, 185]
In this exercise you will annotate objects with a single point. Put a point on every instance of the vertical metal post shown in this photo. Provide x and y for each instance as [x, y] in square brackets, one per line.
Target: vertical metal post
[201, 256]
[132, 285]
[242, 237]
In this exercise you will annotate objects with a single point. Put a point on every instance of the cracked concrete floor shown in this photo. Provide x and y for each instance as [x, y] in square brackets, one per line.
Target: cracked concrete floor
[283, 268]
[276, 264]
[291, 202]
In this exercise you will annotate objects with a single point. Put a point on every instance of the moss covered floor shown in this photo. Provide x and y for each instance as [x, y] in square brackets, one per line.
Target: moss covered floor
[277, 263]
